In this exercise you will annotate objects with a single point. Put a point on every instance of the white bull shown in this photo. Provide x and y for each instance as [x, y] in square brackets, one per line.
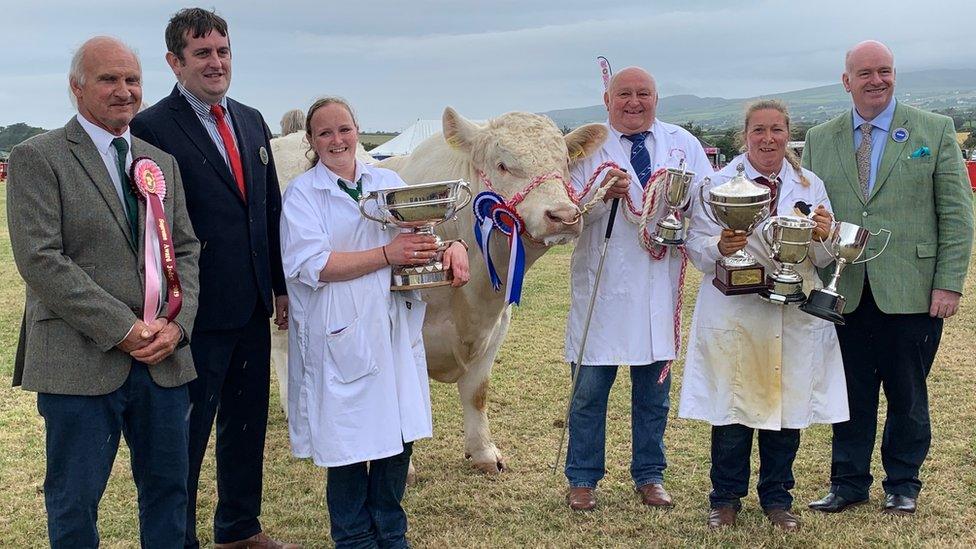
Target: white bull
[465, 328]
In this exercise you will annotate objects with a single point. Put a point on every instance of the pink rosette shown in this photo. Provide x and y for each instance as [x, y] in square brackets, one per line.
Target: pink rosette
[147, 178]
[150, 185]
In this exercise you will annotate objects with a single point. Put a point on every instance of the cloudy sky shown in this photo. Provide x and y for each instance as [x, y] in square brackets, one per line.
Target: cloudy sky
[397, 61]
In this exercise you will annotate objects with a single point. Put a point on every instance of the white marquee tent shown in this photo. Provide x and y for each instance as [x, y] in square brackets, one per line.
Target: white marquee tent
[409, 138]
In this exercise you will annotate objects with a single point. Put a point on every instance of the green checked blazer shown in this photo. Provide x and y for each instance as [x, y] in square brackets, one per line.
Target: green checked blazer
[926, 202]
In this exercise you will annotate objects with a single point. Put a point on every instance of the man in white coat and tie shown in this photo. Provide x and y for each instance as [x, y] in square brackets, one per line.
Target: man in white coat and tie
[633, 319]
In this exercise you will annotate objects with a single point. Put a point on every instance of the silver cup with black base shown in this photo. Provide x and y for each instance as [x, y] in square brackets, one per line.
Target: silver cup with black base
[418, 208]
[677, 186]
[788, 238]
[846, 244]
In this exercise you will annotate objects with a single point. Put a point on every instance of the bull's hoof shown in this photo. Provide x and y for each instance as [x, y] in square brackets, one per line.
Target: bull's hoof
[411, 478]
[491, 468]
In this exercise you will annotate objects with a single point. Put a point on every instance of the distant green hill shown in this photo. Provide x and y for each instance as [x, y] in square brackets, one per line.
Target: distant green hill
[937, 89]
[13, 135]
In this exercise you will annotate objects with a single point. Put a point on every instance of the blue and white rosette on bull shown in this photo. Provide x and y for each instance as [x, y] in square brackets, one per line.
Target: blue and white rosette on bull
[492, 214]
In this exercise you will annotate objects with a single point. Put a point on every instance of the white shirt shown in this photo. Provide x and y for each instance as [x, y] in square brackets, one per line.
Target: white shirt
[357, 373]
[752, 362]
[633, 317]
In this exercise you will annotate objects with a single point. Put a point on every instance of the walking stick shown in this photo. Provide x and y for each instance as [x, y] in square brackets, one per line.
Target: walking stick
[586, 329]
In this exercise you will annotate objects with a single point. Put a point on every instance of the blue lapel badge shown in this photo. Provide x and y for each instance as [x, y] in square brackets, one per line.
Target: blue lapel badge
[900, 135]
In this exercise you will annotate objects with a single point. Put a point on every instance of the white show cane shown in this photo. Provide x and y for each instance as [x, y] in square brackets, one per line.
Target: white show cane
[586, 329]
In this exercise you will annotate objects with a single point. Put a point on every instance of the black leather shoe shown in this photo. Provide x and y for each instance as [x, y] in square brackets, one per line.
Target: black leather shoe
[898, 505]
[832, 503]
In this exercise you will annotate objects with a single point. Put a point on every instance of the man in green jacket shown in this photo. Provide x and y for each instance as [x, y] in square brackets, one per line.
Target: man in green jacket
[890, 166]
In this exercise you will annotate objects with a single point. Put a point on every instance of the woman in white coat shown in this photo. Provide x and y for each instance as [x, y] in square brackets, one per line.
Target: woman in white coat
[755, 365]
[357, 377]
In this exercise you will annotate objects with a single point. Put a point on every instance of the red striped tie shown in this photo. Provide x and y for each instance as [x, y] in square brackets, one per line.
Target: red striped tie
[773, 191]
[232, 155]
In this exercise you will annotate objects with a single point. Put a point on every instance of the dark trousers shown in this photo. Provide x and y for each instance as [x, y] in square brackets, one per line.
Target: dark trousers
[731, 450]
[893, 352]
[233, 369]
[82, 439]
[364, 502]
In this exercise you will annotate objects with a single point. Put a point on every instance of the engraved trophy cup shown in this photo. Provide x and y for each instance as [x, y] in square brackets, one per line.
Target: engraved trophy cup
[788, 238]
[846, 243]
[418, 208]
[739, 205]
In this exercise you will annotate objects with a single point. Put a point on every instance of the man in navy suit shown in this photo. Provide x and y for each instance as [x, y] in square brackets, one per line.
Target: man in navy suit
[234, 204]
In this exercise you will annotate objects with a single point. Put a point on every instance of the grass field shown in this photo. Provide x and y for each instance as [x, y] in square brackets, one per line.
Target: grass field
[453, 506]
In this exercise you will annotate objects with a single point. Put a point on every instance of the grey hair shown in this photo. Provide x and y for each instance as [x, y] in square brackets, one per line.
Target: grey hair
[76, 71]
[292, 121]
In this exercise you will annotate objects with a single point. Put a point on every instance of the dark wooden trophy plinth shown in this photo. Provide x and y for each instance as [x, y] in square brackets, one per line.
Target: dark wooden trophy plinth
[738, 280]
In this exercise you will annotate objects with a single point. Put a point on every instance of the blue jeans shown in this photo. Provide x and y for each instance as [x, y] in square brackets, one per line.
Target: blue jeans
[731, 449]
[82, 439]
[585, 457]
[364, 502]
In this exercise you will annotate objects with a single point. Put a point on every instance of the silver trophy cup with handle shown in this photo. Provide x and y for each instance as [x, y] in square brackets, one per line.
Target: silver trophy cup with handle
[418, 208]
[846, 243]
[670, 229]
[788, 238]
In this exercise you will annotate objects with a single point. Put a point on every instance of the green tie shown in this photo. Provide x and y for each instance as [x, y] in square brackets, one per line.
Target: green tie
[354, 193]
[129, 195]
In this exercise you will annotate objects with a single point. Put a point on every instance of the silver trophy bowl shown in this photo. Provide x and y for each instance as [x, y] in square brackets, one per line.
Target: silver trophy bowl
[418, 208]
[738, 205]
[788, 238]
[677, 193]
[846, 244]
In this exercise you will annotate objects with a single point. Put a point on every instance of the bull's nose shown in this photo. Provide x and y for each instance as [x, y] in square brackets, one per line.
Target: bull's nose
[564, 215]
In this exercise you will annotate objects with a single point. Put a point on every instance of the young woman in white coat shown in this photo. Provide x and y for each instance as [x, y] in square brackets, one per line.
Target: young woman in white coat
[755, 365]
[357, 377]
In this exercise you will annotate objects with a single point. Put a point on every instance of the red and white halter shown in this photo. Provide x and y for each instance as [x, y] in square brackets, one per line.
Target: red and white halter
[638, 216]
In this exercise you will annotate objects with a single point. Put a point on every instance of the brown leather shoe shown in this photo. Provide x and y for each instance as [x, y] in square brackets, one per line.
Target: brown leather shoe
[257, 541]
[784, 519]
[581, 499]
[722, 517]
[654, 495]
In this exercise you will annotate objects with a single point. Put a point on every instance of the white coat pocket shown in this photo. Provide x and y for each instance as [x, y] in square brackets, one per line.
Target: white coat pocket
[351, 355]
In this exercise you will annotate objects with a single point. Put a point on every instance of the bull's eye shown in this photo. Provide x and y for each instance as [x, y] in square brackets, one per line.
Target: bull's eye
[502, 168]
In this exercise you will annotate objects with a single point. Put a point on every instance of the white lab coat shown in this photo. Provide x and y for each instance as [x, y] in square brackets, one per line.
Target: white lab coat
[756, 363]
[633, 320]
[357, 374]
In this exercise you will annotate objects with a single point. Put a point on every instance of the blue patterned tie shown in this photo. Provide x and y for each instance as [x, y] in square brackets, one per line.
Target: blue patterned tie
[640, 160]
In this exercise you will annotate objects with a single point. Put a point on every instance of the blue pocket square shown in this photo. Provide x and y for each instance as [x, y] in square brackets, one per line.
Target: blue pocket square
[920, 152]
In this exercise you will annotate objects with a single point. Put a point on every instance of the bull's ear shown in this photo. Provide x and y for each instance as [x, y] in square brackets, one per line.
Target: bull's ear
[584, 141]
[459, 132]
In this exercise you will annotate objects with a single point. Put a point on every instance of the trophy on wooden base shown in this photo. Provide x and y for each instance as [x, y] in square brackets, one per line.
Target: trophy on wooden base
[419, 208]
[739, 204]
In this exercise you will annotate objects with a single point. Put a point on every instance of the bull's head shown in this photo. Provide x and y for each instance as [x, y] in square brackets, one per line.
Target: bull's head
[515, 149]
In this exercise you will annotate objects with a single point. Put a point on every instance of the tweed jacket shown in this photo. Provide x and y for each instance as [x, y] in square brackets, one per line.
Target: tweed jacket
[923, 199]
[84, 277]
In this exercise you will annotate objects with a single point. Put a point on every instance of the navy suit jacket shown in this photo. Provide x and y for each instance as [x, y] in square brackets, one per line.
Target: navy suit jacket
[240, 252]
